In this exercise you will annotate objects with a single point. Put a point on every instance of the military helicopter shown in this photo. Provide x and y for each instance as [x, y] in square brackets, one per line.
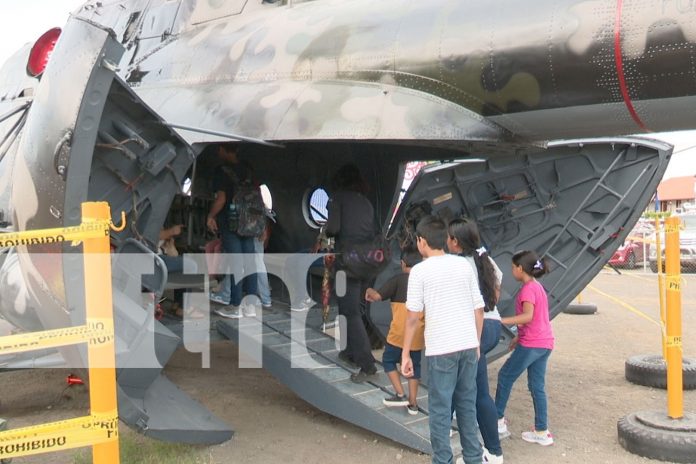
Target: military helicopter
[525, 106]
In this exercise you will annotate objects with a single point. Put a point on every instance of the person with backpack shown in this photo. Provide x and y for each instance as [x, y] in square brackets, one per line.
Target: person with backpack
[234, 215]
[221, 295]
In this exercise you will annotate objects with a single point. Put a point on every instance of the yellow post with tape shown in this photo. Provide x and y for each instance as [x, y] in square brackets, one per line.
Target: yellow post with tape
[675, 394]
[98, 301]
[100, 428]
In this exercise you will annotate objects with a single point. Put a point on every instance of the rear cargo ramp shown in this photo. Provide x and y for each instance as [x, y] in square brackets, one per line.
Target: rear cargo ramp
[318, 377]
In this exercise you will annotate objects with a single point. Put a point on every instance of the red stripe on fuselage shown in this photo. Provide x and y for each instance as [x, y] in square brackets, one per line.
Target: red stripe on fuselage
[619, 68]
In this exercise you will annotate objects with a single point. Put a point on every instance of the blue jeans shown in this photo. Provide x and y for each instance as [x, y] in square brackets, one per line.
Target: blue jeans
[453, 381]
[486, 413]
[224, 288]
[233, 243]
[295, 272]
[534, 361]
[262, 282]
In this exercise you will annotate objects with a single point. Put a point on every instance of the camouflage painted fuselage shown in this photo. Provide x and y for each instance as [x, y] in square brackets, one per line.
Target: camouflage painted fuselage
[404, 69]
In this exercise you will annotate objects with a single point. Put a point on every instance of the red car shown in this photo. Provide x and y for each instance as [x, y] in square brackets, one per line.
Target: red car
[630, 254]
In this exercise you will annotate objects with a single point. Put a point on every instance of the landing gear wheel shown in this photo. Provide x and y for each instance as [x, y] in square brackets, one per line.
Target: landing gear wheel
[580, 309]
[652, 434]
[651, 371]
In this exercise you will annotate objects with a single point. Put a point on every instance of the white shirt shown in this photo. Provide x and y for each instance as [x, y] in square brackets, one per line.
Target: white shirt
[446, 287]
[493, 314]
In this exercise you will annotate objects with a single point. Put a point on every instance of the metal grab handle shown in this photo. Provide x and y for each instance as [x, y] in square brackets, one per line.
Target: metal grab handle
[60, 169]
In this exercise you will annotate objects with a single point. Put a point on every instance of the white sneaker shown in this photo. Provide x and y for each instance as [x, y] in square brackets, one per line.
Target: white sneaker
[543, 438]
[491, 458]
[503, 431]
[248, 310]
[229, 311]
[304, 306]
[487, 457]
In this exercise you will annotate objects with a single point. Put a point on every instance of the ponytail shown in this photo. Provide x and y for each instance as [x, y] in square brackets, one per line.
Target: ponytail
[467, 236]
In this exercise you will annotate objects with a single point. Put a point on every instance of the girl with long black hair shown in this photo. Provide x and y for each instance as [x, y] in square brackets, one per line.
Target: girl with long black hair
[464, 240]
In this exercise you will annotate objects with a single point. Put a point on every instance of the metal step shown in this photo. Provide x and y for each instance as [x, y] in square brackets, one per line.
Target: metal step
[166, 413]
[295, 351]
[147, 400]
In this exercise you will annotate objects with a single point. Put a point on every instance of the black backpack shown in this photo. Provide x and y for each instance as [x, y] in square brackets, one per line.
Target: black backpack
[250, 210]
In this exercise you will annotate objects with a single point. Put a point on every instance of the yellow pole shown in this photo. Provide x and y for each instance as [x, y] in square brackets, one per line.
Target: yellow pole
[675, 394]
[98, 300]
[660, 287]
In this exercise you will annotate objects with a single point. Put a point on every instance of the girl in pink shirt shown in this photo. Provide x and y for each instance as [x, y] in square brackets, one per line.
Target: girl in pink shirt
[532, 346]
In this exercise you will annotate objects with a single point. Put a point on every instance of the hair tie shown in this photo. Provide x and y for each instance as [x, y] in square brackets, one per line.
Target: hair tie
[481, 251]
[539, 265]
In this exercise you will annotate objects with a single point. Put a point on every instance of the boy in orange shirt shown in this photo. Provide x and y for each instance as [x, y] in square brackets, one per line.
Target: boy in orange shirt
[395, 290]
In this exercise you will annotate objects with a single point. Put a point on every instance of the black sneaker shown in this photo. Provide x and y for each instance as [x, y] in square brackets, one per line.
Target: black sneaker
[364, 376]
[413, 409]
[395, 400]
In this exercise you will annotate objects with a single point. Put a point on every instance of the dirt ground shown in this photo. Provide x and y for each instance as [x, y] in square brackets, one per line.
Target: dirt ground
[585, 384]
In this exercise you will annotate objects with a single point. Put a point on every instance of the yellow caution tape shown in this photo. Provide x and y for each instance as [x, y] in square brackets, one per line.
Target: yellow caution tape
[673, 342]
[95, 332]
[639, 277]
[86, 230]
[98, 428]
[625, 305]
[637, 238]
[61, 435]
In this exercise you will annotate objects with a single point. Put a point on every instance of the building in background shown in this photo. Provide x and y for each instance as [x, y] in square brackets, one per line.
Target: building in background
[677, 194]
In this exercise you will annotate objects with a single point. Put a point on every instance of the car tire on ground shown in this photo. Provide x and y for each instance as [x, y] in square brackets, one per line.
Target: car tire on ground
[650, 441]
[653, 266]
[650, 370]
[580, 309]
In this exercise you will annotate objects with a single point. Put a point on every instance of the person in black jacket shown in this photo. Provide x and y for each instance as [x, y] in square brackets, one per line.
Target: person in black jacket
[351, 220]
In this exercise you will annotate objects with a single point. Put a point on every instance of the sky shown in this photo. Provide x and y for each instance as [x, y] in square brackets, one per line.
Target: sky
[23, 21]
